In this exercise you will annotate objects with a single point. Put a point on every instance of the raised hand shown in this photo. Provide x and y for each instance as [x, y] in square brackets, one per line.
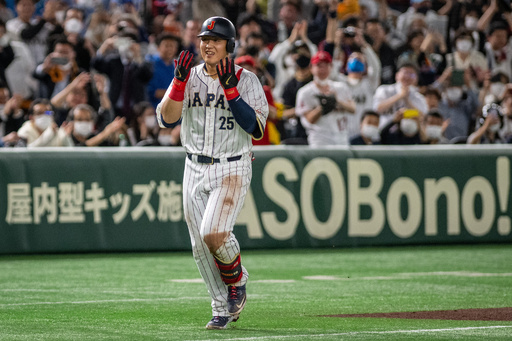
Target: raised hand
[226, 72]
[182, 66]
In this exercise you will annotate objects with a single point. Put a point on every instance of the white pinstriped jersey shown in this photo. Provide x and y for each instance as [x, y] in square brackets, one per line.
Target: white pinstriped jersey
[208, 126]
[330, 129]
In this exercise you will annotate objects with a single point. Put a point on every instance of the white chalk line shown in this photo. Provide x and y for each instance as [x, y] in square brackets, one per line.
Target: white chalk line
[103, 301]
[407, 275]
[411, 331]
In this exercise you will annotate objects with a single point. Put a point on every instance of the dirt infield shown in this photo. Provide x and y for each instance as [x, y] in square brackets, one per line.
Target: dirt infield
[489, 314]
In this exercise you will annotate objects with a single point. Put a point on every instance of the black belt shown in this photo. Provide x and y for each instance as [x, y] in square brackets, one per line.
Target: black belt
[211, 160]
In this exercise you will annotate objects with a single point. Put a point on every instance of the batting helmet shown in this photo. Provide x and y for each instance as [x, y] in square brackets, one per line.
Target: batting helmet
[222, 28]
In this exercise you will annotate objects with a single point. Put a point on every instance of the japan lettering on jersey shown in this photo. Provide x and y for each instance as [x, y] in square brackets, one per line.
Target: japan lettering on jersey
[208, 126]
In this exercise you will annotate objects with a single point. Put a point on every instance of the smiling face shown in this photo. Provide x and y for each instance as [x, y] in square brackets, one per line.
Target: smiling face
[213, 49]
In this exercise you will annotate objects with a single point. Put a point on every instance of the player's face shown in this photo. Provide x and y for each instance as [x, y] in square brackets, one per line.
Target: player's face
[213, 49]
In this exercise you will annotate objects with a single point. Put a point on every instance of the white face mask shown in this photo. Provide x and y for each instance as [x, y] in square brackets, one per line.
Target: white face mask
[434, 132]
[353, 81]
[470, 23]
[2, 106]
[4, 40]
[370, 132]
[408, 126]
[289, 62]
[66, 67]
[454, 94]
[464, 45]
[497, 89]
[321, 82]
[165, 140]
[83, 128]
[495, 127]
[73, 26]
[43, 121]
[59, 16]
[150, 122]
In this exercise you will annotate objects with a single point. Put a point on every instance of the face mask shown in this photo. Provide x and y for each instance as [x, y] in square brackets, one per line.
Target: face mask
[303, 61]
[497, 89]
[321, 82]
[370, 132]
[2, 106]
[289, 62]
[83, 128]
[423, 9]
[353, 81]
[150, 122]
[464, 45]
[73, 26]
[408, 126]
[454, 94]
[165, 140]
[495, 127]
[43, 121]
[470, 23]
[355, 65]
[433, 132]
[59, 16]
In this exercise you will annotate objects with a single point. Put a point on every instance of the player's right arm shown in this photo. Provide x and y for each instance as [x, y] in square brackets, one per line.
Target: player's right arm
[169, 111]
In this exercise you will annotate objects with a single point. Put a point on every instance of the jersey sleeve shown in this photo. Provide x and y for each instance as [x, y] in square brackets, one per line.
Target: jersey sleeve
[251, 91]
[304, 103]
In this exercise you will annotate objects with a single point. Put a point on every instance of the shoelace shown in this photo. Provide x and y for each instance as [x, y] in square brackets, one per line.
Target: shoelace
[233, 294]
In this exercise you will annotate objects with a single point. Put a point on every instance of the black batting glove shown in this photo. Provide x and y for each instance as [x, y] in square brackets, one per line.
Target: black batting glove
[228, 78]
[327, 102]
[182, 66]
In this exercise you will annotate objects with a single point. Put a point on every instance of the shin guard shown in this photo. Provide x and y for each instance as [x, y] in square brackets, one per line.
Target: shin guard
[230, 272]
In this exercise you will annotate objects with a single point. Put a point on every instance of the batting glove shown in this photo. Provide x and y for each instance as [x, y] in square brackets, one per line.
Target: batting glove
[327, 102]
[182, 68]
[228, 78]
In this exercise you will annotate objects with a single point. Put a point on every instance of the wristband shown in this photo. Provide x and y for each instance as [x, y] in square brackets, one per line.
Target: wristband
[333, 14]
[231, 93]
[177, 91]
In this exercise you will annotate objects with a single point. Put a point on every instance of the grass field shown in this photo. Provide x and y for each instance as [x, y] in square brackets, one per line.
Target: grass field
[159, 296]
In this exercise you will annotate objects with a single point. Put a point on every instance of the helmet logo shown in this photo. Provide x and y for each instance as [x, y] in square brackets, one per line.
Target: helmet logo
[210, 27]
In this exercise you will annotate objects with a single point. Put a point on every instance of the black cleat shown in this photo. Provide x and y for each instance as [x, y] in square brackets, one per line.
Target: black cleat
[220, 322]
[236, 299]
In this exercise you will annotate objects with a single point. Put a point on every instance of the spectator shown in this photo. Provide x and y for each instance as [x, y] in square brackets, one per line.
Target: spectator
[144, 129]
[390, 98]
[363, 76]
[34, 31]
[120, 58]
[493, 88]
[190, 40]
[58, 69]
[434, 126]
[82, 118]
[458, 106]
[289, 125]
[41, 130]
[369, 130]
[284, 54]
[97, 31]
[163, 66]
[86, 88]
[11, 114]
[375, 30]
[422, 9]
[498, 49]
[73, 31]
[6, 52]
[289, 16]
[6, 13]
[466, 56]
[506, 131]
[323, 105]
[403, 129]
[489, 124]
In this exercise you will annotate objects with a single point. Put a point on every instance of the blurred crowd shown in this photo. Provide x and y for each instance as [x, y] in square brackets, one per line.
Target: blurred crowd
[359, 72]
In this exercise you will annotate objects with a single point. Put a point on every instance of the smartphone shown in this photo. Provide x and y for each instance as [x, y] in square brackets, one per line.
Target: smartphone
[457, 78]
[59, 60]
[411, 113]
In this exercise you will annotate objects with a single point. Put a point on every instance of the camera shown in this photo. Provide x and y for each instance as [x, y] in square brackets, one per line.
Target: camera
[349, 32]
[59, 60]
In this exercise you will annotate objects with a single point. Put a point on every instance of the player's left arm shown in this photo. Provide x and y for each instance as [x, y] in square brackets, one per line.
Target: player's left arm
[249, 110]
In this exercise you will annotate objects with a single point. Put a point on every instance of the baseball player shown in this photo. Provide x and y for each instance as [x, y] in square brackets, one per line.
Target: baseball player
[221, 106]
[323, 105]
